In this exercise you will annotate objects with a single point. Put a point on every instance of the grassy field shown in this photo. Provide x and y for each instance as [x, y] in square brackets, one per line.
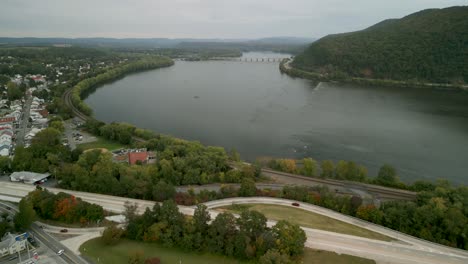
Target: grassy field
[325, 257]
[101, 143]
[307, 219]
[119, 254]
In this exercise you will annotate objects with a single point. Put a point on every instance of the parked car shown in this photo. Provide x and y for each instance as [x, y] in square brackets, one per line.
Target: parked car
[60, 252]
[295, 204]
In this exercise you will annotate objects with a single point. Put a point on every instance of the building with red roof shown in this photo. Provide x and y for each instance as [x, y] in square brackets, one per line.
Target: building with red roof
[9, 119]
[141, 156]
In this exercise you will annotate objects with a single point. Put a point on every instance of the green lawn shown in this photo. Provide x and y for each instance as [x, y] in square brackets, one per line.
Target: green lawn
[101, 143]
[118, 254]
[307, 219]
[325, 257]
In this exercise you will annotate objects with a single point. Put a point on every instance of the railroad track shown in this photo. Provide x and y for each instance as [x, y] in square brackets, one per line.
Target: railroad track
[77, 113]
[380, 191]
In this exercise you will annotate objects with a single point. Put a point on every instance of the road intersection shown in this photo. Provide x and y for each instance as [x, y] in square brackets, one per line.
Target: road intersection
[406, 249]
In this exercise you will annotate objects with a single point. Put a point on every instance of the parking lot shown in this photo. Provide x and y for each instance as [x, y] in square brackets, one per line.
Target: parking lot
[74, 136]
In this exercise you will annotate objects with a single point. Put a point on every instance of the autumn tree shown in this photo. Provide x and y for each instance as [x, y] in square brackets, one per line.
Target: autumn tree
[387, 176]
[309, 167]
[247, 187]
[287, 165]
[273, 256]
[290, 238]
[370, 213]
[328, 169]
[64, 207]
[111, 235]
[136, 257]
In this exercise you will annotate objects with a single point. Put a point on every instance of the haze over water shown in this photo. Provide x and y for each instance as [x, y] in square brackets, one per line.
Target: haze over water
[255, 109]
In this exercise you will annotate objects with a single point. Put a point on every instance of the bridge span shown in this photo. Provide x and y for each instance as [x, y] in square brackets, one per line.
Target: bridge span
[246, 59]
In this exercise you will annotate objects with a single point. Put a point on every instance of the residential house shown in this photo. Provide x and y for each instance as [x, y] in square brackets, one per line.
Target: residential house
[11, 245]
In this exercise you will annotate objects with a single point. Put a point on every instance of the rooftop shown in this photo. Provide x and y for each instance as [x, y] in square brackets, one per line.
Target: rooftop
[28, 177]
[133, 157]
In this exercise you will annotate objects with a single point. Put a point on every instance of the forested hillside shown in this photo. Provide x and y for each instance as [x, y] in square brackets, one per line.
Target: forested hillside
[427, 46]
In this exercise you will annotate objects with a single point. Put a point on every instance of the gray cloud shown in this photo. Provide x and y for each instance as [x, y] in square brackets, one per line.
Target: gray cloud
[200, 18]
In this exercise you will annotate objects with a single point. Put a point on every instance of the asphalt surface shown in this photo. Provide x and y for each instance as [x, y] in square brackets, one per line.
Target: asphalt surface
[50, 242]
[407, 249]
[24, 122]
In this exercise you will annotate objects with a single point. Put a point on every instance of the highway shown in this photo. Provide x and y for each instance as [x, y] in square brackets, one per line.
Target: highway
[407, 249]
[49, 241]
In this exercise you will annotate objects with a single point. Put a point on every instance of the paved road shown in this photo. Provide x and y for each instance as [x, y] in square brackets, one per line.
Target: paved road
[217, 187]
[24, 122]
[407, 250]
[68, 256]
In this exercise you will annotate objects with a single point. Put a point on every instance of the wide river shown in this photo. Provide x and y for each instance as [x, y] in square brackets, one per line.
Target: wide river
[252, 107]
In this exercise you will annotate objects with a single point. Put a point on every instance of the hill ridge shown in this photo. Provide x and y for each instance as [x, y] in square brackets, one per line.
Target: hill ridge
[427, 46]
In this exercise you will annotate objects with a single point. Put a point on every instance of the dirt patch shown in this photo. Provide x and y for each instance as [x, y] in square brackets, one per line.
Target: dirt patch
[103, 150]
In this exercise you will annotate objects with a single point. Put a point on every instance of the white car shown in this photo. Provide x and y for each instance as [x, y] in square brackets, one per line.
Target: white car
[60, 252]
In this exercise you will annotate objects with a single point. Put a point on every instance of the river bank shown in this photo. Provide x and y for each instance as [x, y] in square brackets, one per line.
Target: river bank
[285, 67]
[86, 85]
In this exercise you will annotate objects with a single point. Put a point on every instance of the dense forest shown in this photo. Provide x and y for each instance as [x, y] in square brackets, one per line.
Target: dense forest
[63, 207]
[427, 46]
[246, 237]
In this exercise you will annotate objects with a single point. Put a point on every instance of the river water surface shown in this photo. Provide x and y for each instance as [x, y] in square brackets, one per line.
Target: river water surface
[252, 107]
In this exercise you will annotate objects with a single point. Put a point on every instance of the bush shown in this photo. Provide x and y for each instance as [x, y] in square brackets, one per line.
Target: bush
[111, 235]
[154, 260]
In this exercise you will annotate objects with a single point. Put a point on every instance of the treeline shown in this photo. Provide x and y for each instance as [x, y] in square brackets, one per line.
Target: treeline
[6, 223]
[427, 46]
[179, 162]
[23, 60]
[198, 53]
[63, 207]
[46, 153]
[439, 214]
[342, 170]
[246, 237]
[145, 63]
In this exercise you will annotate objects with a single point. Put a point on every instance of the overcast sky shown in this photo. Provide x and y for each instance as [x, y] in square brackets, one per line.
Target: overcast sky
[200, 18]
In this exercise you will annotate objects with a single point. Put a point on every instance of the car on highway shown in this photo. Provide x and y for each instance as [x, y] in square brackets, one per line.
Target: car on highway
[60, 252]
[64, 230]
[295, 204]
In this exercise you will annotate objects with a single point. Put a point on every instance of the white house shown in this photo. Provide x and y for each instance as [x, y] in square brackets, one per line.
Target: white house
[4, 150]
[10, 244]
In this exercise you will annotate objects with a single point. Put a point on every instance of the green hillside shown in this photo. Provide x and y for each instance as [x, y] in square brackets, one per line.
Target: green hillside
[427, 46]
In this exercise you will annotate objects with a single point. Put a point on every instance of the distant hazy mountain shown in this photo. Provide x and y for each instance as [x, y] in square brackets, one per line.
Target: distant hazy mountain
[430, 45]
[154, 42]
[285, 40]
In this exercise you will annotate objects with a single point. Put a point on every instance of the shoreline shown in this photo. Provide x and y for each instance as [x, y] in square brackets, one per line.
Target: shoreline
[77, 91]
[286, 68]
